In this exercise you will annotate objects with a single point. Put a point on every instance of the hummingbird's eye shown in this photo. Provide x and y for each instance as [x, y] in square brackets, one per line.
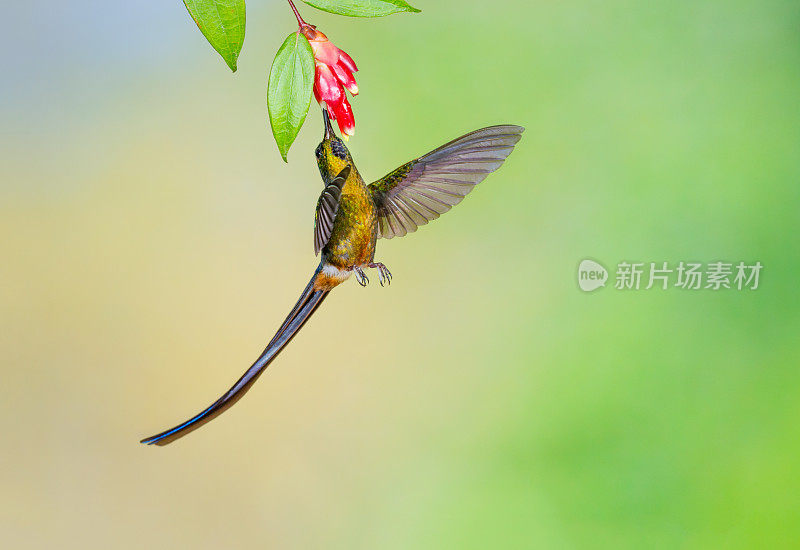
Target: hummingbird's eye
[318, 151]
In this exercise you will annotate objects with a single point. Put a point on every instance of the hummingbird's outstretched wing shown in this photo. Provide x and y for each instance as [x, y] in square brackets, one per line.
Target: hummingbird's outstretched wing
[423, 189]
[327, 206]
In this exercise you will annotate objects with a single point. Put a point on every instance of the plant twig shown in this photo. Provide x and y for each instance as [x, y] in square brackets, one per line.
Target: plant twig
[300, 21]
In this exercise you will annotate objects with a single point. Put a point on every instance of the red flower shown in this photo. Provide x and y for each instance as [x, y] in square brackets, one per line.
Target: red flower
[333, 74]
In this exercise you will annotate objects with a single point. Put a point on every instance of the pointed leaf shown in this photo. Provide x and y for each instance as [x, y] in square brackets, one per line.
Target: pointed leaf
[291, 81]
[222, 23]
[362, 8]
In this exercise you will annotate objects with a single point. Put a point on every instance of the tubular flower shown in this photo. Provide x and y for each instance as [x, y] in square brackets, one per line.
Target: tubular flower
[333, 74]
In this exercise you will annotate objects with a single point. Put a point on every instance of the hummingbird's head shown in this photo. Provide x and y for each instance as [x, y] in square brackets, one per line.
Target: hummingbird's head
[332, 154]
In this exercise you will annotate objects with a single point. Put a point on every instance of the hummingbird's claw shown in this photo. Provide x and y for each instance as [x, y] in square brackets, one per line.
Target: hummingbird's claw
[361, 277]
[384, 275]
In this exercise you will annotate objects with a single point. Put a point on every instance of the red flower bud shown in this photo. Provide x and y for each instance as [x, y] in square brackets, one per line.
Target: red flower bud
[333, 74]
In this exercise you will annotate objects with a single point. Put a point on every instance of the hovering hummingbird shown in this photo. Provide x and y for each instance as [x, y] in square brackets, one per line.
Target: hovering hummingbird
[352, 215]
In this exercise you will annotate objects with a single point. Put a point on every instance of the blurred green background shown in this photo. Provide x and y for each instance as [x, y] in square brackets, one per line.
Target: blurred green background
[152, 240]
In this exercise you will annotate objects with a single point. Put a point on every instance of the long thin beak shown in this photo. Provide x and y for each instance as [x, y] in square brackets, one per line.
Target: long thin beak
[328, 127]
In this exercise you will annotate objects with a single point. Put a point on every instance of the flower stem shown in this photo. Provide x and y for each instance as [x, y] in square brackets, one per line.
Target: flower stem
[300, 21]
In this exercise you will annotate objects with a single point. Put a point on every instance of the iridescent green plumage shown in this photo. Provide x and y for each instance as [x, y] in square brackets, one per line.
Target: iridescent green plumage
[392, 178]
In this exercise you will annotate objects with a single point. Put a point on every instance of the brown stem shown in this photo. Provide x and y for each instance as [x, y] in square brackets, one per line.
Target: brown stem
[300, 21]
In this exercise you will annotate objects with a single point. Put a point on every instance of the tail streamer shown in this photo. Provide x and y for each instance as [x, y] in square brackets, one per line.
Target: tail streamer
[309, 301]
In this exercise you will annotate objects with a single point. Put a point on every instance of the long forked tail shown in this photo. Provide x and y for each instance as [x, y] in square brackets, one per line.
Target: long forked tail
[309, 301]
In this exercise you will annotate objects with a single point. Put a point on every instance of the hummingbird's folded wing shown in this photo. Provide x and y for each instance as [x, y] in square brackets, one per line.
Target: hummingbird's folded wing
[423, 189]
[327, 206]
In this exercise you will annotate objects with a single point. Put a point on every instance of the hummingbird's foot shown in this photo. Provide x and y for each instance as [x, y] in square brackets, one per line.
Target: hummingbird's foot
[361, 277]
[384, 275]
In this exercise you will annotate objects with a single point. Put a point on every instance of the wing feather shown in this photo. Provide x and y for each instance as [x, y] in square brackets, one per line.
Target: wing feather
[427, 187]
[327, 206]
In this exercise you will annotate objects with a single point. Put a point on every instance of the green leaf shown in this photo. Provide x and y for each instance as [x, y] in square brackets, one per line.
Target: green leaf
[362, 8]
[222, 23]
[291, 81]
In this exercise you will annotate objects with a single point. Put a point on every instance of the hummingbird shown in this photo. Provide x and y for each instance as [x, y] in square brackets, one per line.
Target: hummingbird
[350, 218]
